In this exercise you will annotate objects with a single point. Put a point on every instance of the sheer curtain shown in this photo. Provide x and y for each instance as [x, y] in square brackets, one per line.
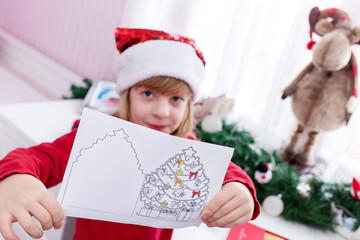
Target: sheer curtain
[253, 49]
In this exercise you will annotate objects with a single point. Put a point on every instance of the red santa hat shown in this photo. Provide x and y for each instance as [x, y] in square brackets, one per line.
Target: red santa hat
[148, 53]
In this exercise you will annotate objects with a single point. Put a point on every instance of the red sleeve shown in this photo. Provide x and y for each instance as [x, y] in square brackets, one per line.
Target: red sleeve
[235, 174]
[46, 161]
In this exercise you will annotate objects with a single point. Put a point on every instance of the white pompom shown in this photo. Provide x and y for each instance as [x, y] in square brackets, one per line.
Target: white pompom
[211, 124]
[351, 104]
[273, 205]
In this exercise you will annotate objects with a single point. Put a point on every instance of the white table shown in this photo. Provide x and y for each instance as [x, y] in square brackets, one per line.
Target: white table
[28, 124]
[292, 230]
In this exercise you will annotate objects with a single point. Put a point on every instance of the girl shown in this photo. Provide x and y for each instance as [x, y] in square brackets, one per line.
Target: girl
[158, 77]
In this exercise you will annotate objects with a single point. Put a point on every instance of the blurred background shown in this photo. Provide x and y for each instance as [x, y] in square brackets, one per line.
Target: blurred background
[253, 50]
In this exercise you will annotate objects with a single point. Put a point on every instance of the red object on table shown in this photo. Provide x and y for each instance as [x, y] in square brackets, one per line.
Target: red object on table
[249, 231]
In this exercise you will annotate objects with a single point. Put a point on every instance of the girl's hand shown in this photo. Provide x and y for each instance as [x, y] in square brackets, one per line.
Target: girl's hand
[232, 206]
[23, 196]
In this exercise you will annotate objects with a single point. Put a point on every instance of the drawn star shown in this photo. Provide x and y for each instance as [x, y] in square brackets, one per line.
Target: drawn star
[189, 152]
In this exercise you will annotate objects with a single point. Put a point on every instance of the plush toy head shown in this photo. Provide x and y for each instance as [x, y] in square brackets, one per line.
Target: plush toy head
[333, 52]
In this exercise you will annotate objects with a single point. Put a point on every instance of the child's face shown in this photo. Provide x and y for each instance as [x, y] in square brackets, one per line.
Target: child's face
[157, 111]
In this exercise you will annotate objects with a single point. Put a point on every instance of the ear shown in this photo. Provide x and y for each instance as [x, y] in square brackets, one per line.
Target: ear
[355, 35]
[314, 17]
[323, 26]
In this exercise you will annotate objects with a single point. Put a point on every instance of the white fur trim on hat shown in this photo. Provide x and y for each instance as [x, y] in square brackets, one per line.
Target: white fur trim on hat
[159, 58]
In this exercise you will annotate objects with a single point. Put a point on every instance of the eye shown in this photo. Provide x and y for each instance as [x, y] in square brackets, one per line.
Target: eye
[176, 99]
[148, 94]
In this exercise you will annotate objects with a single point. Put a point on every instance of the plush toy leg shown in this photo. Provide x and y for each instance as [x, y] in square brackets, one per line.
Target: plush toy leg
[289, 153]
[304, 158]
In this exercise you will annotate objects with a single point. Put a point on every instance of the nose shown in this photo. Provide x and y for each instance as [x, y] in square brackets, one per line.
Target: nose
[161, 108]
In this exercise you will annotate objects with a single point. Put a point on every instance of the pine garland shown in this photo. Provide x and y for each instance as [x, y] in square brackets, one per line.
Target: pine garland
[314, 210]
[79, 92]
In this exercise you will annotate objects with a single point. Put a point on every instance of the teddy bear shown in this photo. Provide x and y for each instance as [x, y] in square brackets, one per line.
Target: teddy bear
[324, 94]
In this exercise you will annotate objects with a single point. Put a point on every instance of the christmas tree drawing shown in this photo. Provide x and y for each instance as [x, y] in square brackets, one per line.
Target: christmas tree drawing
[177, 190]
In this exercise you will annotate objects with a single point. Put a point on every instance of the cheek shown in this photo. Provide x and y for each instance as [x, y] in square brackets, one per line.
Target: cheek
[136, 115]
[179, 115]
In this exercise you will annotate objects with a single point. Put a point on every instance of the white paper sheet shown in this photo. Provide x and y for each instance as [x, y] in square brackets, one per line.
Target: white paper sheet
[122, 172]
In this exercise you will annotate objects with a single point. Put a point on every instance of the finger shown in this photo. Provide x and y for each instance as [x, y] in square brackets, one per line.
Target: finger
[234, 218]
[216, 203]
[42, 215]
[28, 224]
[225, 209]
[6, 229]
[55, 210]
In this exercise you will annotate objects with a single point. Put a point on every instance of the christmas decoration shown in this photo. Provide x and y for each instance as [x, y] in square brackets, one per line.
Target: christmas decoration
[263, 174]
[79, 92]
[211, 124]
[273, 205]
[330, 77]
[355, 189]
[303, 189]
[211, 111]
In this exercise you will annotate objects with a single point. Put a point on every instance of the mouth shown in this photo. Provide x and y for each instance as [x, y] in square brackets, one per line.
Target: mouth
[157, 127]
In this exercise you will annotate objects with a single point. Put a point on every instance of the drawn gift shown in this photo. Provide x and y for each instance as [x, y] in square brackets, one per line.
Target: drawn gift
[154, 213]
[144, 212]
[148, 211]
[167, 215]
[184, 215]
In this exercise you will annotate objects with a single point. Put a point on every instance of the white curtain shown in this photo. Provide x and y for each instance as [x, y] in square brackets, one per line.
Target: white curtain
[253, 50]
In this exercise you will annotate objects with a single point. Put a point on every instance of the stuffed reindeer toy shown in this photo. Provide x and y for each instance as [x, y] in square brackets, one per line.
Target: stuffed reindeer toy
[324, 94]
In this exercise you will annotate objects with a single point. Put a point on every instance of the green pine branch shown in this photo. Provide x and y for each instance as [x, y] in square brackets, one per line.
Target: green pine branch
[79, 92]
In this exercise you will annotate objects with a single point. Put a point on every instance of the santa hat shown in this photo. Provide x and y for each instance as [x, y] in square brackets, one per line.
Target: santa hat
[148, 53]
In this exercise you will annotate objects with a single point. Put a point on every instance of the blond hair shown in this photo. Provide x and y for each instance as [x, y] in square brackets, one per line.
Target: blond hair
[162, 85]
